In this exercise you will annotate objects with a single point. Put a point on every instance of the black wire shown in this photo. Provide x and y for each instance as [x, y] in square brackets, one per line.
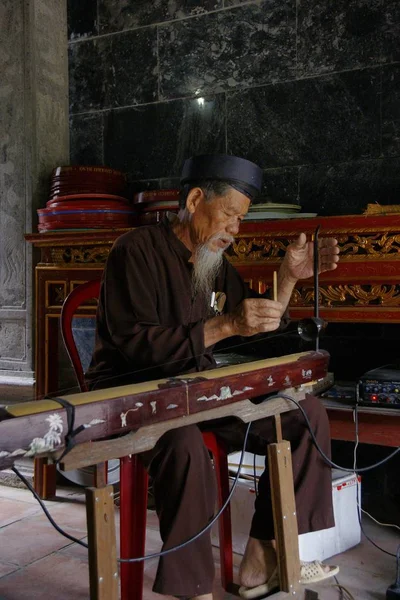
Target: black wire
[362, 529]
[208, 526]
[358, 493]
[255, 475]
[341, 592]
[46, 512]
[156, 554]
[326, 459]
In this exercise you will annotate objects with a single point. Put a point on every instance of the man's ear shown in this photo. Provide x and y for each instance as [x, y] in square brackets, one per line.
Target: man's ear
[195, 196]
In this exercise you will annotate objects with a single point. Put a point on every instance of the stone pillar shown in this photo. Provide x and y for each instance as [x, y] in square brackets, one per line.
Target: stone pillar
[34, 138]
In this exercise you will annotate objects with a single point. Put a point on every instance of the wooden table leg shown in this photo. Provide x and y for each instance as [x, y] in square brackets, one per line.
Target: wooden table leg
[44, 478]
[285, 520]
[103, 567]
[100, 474]
[45, 474]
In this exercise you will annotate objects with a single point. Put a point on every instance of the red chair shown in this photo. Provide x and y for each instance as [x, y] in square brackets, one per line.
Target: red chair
[134, 478]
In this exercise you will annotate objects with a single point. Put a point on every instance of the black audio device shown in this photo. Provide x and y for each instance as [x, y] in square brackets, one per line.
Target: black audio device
[380, 387]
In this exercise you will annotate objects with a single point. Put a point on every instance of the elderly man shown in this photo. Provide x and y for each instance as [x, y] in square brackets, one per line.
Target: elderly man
[156, 319]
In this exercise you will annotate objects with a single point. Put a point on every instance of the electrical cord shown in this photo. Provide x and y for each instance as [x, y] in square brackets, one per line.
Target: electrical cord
[398, 567]
[355, 466]
[44, 508]
[341, 592]
[379, 522]
[156, 554]
[255, 475]
[210, 524]
[393, 591]
[344, 593]
[326, 459]
[358, 492]
[367, 536]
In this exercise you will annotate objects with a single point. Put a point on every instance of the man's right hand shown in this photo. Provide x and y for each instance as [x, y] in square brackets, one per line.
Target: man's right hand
[255, 315]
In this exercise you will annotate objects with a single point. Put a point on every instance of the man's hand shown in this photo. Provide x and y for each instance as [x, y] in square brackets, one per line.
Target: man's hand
[298, 261]
[252, 316]
[255, 315]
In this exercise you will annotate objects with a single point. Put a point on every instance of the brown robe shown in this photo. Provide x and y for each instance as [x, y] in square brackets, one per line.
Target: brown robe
[149, 326]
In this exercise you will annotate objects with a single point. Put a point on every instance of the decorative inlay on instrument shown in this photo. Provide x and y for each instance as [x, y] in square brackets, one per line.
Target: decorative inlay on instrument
[32, 428]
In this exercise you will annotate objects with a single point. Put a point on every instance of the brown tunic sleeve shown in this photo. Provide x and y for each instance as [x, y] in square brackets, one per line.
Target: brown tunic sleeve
[129, 298]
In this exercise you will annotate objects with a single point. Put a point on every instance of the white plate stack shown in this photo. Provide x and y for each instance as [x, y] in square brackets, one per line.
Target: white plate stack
[273, 210]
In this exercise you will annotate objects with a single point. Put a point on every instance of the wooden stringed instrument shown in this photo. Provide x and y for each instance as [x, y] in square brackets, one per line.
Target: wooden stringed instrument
[39, 427]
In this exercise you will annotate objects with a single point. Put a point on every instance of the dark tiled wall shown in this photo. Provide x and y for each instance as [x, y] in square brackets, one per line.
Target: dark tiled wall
[309, 89]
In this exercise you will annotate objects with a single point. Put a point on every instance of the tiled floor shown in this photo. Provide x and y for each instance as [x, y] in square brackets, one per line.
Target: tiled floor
[36, 562]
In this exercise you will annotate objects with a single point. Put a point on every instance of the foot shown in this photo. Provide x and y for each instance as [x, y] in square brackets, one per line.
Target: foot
[258, 564]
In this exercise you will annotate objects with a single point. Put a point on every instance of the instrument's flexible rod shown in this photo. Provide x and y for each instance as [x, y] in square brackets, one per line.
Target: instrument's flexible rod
[316, 273]
[316, 284]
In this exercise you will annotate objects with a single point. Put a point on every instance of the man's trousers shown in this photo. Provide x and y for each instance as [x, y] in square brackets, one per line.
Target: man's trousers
[185, 490]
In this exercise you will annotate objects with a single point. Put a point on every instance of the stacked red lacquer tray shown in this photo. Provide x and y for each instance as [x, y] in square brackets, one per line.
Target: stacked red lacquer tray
[86, 197]
[153, 205]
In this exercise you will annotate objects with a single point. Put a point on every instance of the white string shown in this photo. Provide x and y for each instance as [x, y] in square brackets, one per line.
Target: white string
[171, 362]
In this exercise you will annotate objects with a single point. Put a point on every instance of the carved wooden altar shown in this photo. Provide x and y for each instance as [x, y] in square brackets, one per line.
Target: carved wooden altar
[365, 287]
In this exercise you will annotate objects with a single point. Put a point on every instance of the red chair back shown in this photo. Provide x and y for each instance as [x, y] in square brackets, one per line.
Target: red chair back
[79, 295]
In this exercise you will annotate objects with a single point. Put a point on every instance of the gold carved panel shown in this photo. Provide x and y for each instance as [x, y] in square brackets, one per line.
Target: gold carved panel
[78, 255]
[361, 245]
[350, 295]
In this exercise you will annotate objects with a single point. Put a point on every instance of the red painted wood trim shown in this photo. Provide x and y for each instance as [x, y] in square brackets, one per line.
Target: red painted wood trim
[374, 428]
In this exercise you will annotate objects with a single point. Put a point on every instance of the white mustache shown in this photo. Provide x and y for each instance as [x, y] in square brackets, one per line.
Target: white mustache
[228, 239]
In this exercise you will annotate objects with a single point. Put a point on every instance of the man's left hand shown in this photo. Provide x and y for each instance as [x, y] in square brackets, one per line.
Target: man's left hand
[299, 259]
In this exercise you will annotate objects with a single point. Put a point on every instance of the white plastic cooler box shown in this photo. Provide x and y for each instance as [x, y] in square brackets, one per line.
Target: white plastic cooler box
[317, 545]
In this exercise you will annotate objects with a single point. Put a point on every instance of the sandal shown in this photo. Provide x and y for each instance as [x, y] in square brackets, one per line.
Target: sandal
[312, 572]
[260, 591]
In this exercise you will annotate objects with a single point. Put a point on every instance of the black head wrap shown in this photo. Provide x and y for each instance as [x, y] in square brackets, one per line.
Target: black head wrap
[243, 175]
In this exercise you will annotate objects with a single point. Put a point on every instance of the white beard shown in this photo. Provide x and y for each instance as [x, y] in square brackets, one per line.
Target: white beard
[206, 266]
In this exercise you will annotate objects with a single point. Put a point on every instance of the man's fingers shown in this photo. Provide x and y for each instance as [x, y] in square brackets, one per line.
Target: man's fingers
[328, 267]
[267, 313]
[259, 309]
[271, 326]
[328, 254]
[301, 241]
[329, 250]
[262, 304]
[332, 258]
[327, 242]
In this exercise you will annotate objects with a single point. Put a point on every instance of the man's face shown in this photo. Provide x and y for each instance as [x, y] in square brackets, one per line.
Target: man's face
[216, 222]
